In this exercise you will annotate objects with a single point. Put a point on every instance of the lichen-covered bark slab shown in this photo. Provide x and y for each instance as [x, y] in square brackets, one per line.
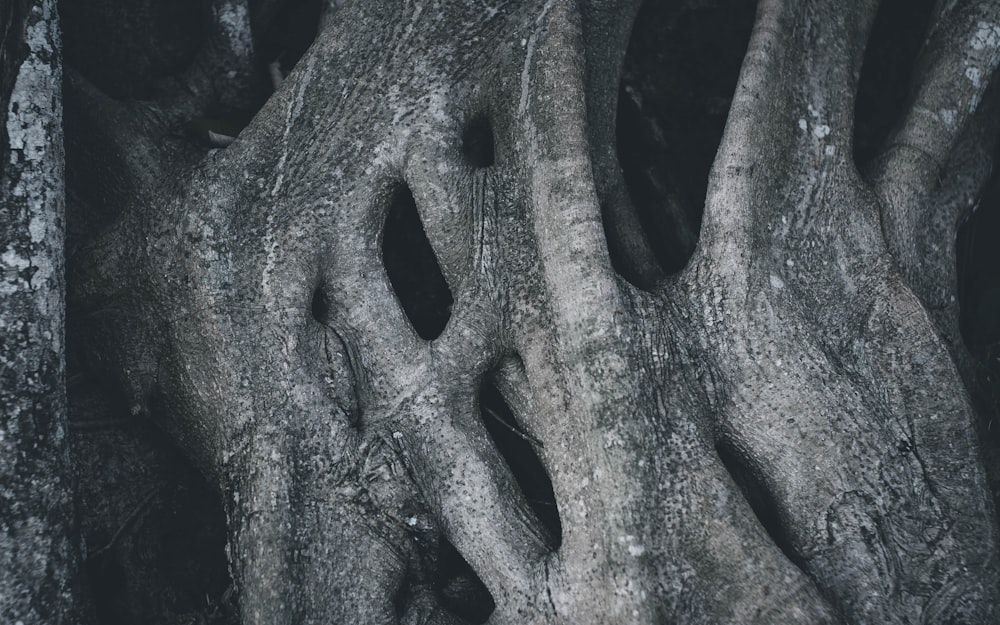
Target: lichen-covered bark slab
[38, 555]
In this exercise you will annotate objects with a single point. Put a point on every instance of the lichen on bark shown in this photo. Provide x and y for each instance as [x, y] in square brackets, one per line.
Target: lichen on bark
[39, 556]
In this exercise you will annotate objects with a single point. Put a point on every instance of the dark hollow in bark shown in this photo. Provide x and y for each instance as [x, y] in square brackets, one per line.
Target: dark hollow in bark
[462, 592]
[678, 77]
[518, 450]
[887, 73]
[413, 269]
[478, 143]
[320, 306]
[758, 496]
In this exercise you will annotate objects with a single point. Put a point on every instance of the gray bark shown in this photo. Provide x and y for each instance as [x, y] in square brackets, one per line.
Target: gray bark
[240, 298]
[39, 556]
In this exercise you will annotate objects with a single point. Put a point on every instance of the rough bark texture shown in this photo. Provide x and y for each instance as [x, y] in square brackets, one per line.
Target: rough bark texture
[779, 432]
[39, 557]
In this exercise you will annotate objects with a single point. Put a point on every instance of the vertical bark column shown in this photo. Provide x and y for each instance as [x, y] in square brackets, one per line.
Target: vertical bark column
[38, 558]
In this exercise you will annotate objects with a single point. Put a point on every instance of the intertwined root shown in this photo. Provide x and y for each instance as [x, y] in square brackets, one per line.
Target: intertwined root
[774, 434]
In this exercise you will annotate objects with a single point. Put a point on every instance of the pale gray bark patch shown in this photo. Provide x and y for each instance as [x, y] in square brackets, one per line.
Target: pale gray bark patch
[38, 556]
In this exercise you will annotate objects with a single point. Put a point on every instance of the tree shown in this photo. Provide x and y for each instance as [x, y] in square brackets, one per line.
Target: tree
[38, 557]
[425, 314]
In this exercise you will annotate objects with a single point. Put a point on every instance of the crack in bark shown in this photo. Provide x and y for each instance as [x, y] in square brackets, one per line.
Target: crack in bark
[548, 588]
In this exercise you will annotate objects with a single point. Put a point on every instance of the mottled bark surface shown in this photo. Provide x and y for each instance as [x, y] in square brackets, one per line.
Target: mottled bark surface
[39, 557]
[771, 427]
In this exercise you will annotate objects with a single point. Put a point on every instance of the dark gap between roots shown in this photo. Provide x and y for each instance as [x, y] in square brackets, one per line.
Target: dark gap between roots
[517, 449]
[288, 34]
[978, 257]
[413, 269]
[759, 498]
[320, 306]
[125, 47]
[884, 88]
[478, 144]
[462, 592]
[679, 75]
[155, 529]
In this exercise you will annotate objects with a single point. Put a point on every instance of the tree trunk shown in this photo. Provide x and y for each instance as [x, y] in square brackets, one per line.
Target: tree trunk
[778, 431]
[39, 556]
